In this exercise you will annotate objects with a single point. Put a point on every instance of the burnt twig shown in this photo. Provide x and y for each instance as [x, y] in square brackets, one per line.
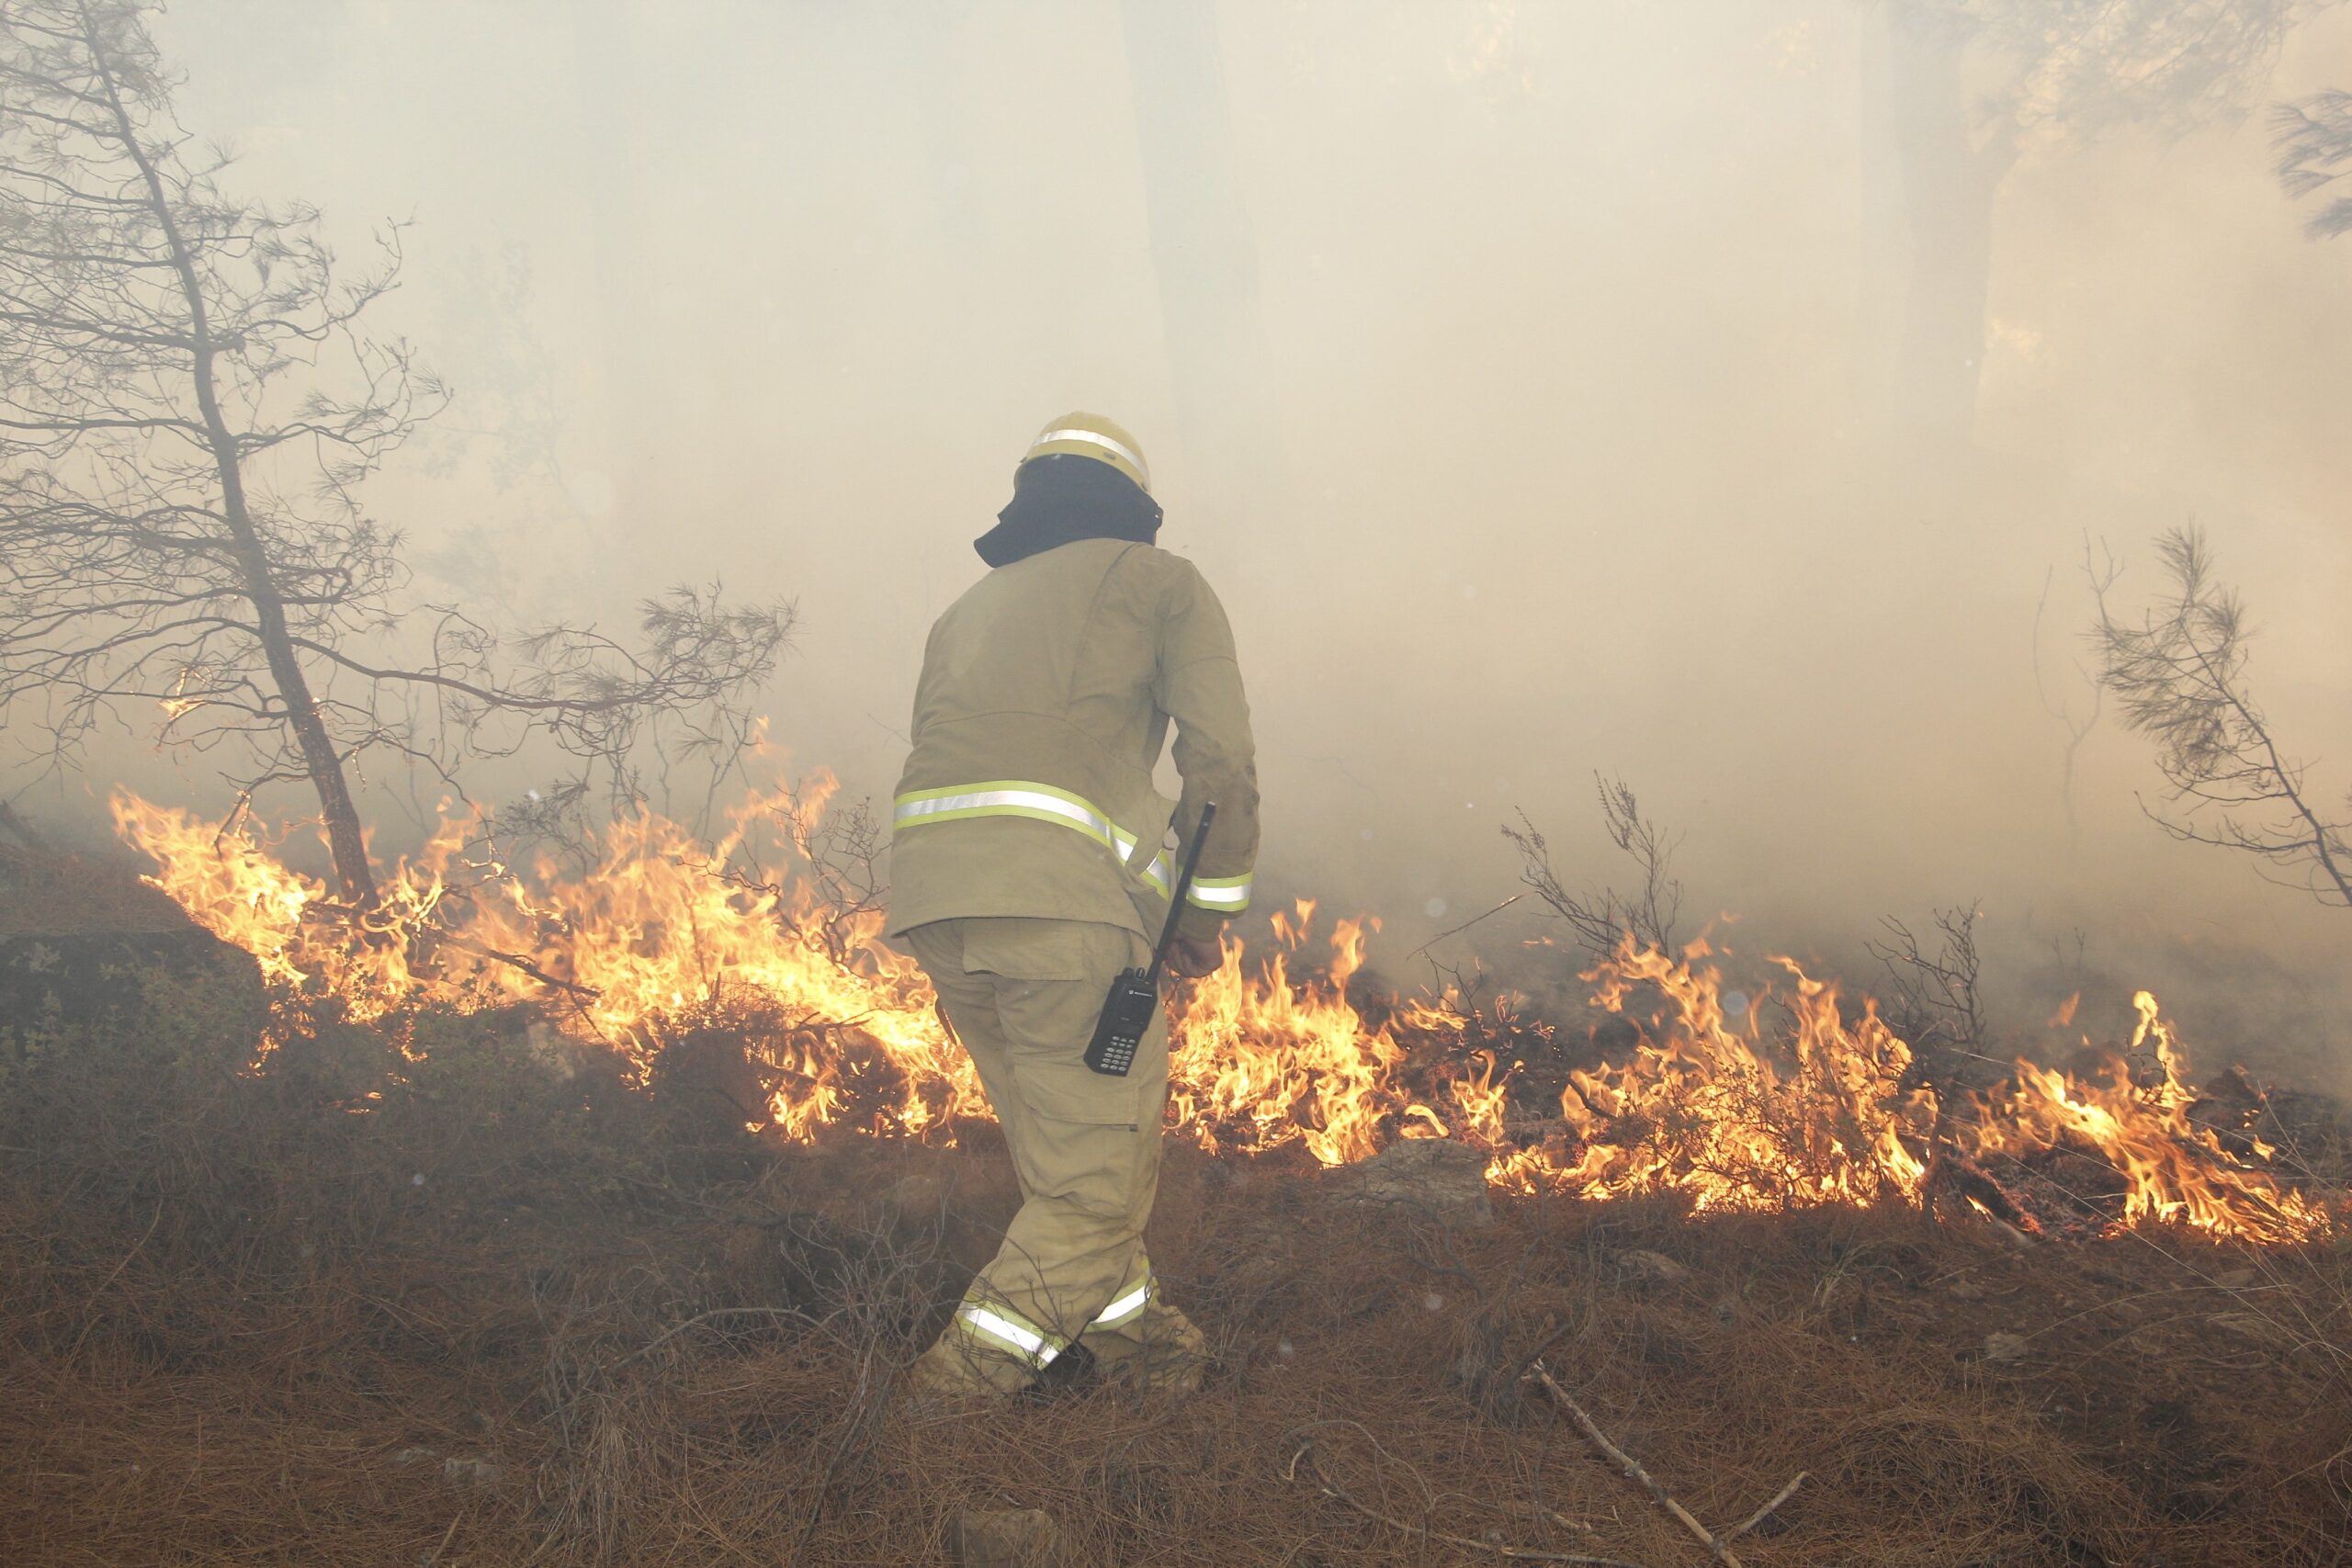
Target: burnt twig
[1718, 1544]
[519, 963]
[1324, 1484]
[1768, 1510]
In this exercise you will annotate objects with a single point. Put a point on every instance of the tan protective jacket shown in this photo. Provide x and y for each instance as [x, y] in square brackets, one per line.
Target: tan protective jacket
[1045, 696]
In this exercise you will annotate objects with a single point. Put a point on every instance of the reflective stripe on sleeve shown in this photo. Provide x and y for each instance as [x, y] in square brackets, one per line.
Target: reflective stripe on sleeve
[1033, 1345]
[1226, 895]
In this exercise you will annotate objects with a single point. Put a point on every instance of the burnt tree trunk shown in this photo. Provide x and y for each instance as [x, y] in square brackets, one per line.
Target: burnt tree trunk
[321, 760]
[1205, 251]
[1950, 180]
[638, 396]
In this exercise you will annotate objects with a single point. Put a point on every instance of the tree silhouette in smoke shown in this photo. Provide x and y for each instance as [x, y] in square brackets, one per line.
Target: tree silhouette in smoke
[188, 407]
[2314, 142]
[1974, 85]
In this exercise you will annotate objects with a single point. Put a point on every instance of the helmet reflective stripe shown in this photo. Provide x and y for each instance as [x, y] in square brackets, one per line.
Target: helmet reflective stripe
[1014, 797]
[1110, 444]
[1126, 1307]
[1034, 1345]
[1228, 894]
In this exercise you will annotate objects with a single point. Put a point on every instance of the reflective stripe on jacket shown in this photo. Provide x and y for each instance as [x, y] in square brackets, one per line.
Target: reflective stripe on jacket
[1040, 803]
[1047, 692]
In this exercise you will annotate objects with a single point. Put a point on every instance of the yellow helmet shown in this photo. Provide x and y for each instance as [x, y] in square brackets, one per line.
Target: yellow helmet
[1091, 436]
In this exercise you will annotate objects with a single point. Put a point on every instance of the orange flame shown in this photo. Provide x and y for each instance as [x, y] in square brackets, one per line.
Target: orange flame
[663, 927]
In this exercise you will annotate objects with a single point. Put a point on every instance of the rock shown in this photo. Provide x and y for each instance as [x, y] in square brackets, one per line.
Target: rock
[914, 1203]
[1655, 1266]
[80, 976]
[2000, 1346]
[551, 1051]
[1006, 1538]
[710, 1076]
[469, 1472]
[45, 892]
[1437, 1176]
[457, 1470]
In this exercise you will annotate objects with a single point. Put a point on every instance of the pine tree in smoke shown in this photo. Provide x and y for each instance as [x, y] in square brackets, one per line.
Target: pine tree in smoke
[189, 408]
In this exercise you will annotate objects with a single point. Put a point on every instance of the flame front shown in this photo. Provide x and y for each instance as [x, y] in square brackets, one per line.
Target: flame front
[660, 929]
[1700, 1110]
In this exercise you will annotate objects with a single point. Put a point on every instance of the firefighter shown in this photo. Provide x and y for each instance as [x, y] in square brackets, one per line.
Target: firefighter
[1031, 863]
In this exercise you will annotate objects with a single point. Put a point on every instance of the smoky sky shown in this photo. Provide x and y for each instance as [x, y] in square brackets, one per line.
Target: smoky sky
[1549, 440]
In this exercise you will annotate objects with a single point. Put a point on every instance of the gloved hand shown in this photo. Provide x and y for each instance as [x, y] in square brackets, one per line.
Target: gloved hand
[1194, 956]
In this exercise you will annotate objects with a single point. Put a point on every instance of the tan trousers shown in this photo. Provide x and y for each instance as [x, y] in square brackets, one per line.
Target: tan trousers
[1023, 995]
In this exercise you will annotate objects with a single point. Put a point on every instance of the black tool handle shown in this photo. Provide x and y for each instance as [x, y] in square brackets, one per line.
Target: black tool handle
[1183, 885]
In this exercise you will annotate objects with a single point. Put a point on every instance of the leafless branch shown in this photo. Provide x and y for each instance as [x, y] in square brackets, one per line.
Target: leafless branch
[2179, 674]
[1600, 921]
[2313, 137]
[1932, 995]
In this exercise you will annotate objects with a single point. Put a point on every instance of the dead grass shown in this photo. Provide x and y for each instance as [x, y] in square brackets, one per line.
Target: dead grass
[509, 1312]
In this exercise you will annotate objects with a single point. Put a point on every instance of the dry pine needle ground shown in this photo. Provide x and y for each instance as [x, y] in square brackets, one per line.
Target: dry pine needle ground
[509, 1311]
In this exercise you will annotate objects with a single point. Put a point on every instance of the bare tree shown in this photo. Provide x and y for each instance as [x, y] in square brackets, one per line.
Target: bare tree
[1933, 993]
[1602, 920]
[188, 407]
[2179, 676]
[2314, 140]
[836, 852]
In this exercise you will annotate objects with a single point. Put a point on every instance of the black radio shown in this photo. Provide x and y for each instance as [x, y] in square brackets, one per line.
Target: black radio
[1134, 995]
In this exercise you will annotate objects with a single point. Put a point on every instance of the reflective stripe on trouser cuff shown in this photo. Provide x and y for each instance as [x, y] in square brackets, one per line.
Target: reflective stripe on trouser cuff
[1006, 1331]
[1123, 1309]
[1043, 802]
[1226, 895]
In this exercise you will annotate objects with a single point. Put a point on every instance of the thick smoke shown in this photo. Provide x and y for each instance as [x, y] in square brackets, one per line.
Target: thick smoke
[1520, 374]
